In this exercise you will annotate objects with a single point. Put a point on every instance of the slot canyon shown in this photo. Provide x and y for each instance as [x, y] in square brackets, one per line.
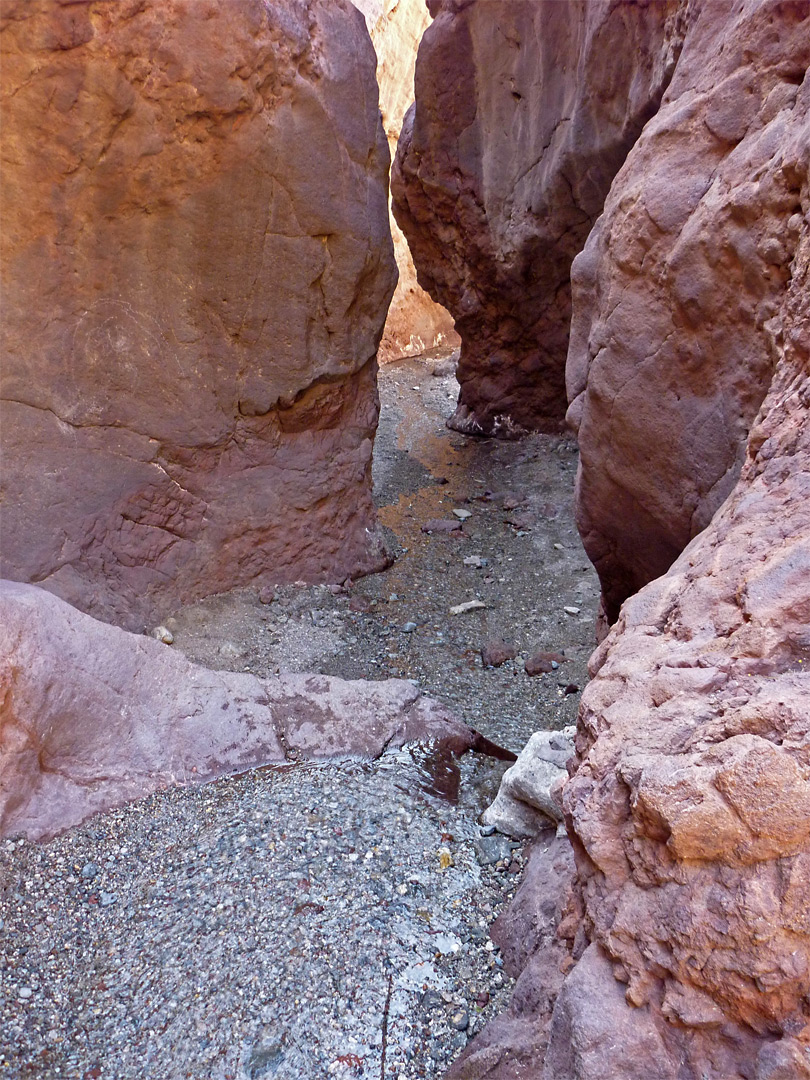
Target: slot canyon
[405, 539]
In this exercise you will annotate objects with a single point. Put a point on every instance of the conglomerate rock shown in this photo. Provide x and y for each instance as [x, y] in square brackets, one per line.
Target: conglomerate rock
[415, 322]
[196, 269]
[92, 716]
[690, 801]
[524, 112]
[676, 289]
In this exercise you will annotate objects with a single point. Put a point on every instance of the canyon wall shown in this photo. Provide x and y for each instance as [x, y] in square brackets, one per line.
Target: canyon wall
[677, 287]
[196, 265]
[690, 802]
[524, 113]
[415, 322]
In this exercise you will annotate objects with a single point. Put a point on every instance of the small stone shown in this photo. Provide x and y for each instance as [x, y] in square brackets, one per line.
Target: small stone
[538, 665]
[105, 899]
[497, 652]
[441, 525]
[462, 515]
[392, 599]
[162, 633]
[475, 560]
[571, 610]
[268, 594]
[558, 547]
[409, 628]
[459, 1020]
[89, 871]
[469, 605]
[487, 830]
[25, 992]
[572, 688]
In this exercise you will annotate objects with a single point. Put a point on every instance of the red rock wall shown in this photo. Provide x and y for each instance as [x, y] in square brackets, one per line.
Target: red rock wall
[196, 269]
[690, 804]
[524, 112]
[678, 285]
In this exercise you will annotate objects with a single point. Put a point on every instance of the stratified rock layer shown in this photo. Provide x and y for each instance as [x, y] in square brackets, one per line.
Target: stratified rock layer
[524, 112]
[677, 287]
[690, 805]
[92, 716]
[196, 269]
[415, 322]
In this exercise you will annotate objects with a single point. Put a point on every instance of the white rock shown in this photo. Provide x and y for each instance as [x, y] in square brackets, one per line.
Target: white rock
[162, 633]
[572, 610]
[523, 806]
[462, 515]
[469, 605]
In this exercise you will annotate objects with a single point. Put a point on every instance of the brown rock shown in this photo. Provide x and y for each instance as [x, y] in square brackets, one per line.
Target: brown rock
[196, 270]
[524, 113]
[497, 652]
[92, 716]
[678, 286]
[691, 800]
[540, 663]
[443, 525]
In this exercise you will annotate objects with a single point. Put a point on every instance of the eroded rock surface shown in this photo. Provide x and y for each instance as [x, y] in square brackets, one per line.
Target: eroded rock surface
[197, 265]
[678, 286]
[92, 716]
[524, 112]
[415, 322]
[690, 805]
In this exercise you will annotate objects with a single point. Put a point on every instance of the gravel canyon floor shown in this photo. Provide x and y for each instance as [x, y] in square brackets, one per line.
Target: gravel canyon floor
[331, 921]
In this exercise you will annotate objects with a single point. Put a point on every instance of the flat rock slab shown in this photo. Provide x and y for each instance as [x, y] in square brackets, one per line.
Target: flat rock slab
[92, 716]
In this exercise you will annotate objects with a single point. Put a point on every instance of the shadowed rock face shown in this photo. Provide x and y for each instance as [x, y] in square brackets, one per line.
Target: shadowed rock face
[690, 805]
[92, 716]
[675, 294]
[196, 269]
[524, 112]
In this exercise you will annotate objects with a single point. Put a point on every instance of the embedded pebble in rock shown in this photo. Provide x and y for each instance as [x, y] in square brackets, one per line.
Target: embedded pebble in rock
[249, 927]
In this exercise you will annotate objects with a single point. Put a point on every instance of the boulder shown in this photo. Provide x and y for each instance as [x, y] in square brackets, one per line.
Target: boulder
[524, 113]
[677, 289]
[196, 269]
[92, 716]
[415, 322]
[526, 804]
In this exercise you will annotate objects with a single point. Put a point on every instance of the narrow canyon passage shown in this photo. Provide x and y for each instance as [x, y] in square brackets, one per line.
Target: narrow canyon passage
[311, 921]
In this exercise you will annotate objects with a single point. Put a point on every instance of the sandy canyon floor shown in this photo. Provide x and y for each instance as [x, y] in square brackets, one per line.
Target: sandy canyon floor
[330, 921]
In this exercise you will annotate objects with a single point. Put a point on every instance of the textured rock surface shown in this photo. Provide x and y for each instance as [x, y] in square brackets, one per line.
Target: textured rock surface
[415, 322]
[524, 805]
[524, 112]
[92, 716]
[691, 802]
[512, 1046]
[677, 286]
[196, 269]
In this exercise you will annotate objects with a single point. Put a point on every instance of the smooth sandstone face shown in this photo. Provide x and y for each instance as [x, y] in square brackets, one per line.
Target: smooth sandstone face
[197, 266]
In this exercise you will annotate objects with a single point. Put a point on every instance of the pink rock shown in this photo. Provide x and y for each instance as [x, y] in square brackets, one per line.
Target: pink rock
[92, 716]
[677, 293]
[196, 270]
[690, 803]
